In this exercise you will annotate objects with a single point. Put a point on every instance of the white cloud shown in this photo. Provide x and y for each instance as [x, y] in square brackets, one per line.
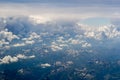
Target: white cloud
[79, 41]
[8, 35]
[58, 63]
[31, 39]
[19, 44]
[37, 19]
[86, 45]
[69, 62]
[33, 56]
[32, 36]
[72, 52]
[99, 33]
[61, 43]
[24, 43]
[3, 42]
[64, 64]
[75, 41]
[21, 71]
[46, 51]
[21, 56]
[30, 42]
[9, 59]
[45, 65]
[55, 48]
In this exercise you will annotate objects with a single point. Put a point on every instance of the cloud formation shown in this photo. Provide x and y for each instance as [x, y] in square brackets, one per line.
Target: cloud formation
[9, 59]
[101, 32]
[45, 65]
[9, 36]
[61, 35]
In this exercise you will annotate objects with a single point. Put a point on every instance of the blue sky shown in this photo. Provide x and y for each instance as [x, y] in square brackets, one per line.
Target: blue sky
[68, 1]
[87, 11]
[96, 21]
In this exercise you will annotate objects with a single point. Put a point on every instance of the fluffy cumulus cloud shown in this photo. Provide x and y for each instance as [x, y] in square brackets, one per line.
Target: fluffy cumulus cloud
[45, 65]
[55, 47]
[31, 39]
[101, 32]
[6, 37]
[80, 42]
[28, 40]
[61, 43]
[9, 36]
[32, 36]
[9, 59]
[58, 35]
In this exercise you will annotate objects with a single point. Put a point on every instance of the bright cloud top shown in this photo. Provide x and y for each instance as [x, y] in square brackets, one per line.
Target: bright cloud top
[9, 59]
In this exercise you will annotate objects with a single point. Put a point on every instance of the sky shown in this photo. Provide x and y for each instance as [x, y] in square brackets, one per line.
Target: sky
[66, 1]
[89, 11]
